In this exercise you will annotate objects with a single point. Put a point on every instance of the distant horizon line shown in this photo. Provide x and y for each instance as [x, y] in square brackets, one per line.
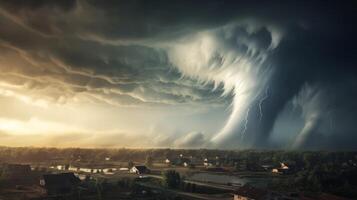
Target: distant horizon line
[170, 148]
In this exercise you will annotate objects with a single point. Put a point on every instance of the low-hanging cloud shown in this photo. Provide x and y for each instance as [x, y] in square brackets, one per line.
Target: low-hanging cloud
[191, 140]
[125, 75]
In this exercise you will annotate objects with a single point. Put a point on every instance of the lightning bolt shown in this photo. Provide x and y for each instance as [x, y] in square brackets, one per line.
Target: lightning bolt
[245, 127]
[245, 123]
[266, 96]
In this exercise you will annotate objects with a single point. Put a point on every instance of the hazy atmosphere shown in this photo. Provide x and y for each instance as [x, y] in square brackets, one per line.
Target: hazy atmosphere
[178, 74]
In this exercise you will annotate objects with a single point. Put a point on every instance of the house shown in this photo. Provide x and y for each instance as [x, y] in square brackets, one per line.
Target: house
[139, 169]
[167, 161]
[284, 166]
[60, 184]
[283, 169]
[60, 167]
[16, 171]
[183, 162]
[207, 162]
[250, 193]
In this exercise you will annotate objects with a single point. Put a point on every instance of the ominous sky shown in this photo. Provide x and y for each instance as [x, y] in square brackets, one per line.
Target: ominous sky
[181, 74]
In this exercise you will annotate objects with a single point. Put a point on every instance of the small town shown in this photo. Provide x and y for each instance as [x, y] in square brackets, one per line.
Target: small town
[176, 174]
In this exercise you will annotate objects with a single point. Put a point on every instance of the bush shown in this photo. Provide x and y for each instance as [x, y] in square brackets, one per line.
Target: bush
[172, 179]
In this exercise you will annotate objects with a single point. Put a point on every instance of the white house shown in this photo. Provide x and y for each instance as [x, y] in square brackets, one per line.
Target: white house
[139, 169]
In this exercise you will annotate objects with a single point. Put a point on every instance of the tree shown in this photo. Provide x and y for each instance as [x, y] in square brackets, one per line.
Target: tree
[148, 161]
[172, 179]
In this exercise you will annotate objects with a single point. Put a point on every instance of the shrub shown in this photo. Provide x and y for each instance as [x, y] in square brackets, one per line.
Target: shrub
[172, 179]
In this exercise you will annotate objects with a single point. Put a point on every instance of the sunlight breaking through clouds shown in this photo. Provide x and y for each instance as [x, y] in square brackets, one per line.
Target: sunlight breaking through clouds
[86, 69]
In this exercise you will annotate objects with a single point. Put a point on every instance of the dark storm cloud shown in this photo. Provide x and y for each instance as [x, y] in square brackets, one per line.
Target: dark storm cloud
[120, 74]
[159, 20]
[111, 51]
[321, 55]
[336, 81]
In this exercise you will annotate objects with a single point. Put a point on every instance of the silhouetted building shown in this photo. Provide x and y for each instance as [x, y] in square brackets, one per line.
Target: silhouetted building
[60, 184]
[16, 172]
